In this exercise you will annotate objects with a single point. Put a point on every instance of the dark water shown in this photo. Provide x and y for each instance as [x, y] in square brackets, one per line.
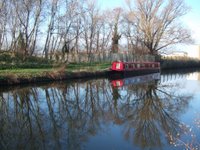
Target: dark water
[141, 113]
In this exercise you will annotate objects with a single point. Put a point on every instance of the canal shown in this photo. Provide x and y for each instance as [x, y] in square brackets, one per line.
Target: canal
[148, 112]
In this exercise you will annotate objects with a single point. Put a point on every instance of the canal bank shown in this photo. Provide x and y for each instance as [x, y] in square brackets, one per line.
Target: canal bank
[26, 76]
[52, 76]
[14, 70]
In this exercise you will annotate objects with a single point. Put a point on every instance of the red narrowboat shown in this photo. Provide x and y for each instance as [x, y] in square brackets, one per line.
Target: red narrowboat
[134, 68]
[131, 66]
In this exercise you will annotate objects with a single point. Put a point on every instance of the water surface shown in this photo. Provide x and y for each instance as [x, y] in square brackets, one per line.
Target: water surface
[149, 112]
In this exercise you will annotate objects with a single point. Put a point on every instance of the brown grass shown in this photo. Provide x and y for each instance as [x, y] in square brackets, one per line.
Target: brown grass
[58, 73]
[12, 79]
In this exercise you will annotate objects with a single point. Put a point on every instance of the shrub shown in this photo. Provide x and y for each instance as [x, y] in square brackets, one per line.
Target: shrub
[5, 57]
[58, 73]
[12, 79]
[179, 62]
[9, 60]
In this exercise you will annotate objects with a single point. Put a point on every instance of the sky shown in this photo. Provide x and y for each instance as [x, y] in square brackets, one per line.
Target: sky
[191, 20]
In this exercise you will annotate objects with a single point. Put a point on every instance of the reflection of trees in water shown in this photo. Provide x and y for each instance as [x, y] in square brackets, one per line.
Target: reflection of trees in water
[64, 116]
[19, 117]
[154, 112]
[52, 117]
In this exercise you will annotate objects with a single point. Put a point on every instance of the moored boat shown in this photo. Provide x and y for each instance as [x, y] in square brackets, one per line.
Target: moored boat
[134, 68]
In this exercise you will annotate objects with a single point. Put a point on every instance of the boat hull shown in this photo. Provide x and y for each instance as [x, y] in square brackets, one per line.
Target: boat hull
[121, 69]
[130, 73]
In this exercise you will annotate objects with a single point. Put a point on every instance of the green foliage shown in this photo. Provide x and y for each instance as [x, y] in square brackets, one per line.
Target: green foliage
[10, 60]
[88, 66]
[6, 57]
[179, 62]
[24, 66]
[23, 73]
[39, 60]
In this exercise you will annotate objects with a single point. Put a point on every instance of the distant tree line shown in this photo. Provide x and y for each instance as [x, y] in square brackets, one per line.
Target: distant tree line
[73, 26]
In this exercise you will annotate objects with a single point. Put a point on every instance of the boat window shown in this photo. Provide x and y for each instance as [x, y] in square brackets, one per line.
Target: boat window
[126, 66]
[118, 66]
[142, 65]
[118, 83]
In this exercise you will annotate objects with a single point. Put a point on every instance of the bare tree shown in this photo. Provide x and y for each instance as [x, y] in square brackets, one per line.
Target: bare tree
[116, 35]
[156, 23]
[77, 32]
[28, 14]
[90, 20]
[13, 26]
[51, 25]
[104, 27]
[70, 26]
[3, 21]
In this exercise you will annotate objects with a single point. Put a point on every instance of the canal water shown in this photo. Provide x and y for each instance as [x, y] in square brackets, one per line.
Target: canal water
[147, 112]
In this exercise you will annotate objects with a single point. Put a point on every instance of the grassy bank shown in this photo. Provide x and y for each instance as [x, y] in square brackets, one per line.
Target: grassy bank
[28, 75]
[35, 72]
[15, 64]
[15, 70]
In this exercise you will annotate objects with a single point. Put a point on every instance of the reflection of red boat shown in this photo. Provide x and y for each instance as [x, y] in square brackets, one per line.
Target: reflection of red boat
[117, 83]
[136, 80]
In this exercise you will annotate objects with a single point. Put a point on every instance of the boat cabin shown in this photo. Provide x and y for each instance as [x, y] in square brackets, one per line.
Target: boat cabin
[131, 66]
